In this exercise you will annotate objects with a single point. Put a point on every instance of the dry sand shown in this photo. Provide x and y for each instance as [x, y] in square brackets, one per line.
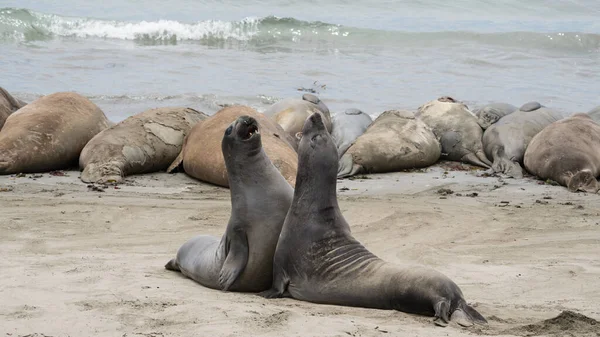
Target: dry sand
[79, 262]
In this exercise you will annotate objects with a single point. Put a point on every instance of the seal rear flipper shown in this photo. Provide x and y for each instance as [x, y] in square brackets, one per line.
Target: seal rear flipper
[172, 265]
[347, 167]
[441, 313]
[177, 163]
[583, 181]
[237, 257]
[474, 159]
[502, 164]
[465, 315]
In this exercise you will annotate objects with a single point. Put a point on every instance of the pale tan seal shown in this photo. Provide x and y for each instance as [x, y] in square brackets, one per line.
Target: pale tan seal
[395, 141]
[49, 133]
[457, 129]
[202, 159]
[568, 152]
[143, 143]
[8, 105]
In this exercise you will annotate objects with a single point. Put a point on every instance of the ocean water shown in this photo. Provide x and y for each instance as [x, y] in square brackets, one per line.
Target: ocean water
[130, 55]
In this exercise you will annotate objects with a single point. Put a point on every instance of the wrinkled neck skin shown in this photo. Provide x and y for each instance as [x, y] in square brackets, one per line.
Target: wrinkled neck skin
[248, 172]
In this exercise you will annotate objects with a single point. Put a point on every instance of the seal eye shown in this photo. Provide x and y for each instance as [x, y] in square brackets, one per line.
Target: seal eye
[228, 131]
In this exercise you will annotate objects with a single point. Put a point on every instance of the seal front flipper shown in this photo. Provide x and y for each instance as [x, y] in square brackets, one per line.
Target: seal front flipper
[279, 287]
[442, 313]
[237, 258]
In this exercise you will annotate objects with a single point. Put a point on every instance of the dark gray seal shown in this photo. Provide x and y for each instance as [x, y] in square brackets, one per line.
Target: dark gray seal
[347, 126]
[491, 113]
[318, 260]
[568, 152]
[505, 141]
[242, 260]
[8, 105]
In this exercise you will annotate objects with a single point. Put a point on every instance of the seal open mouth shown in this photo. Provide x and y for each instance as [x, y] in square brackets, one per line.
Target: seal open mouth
[252, 130]
[247, 128]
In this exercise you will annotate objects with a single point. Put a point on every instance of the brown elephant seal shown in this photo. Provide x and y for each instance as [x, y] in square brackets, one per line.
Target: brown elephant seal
[242, 260]
[291, 113]
[143, 143]
[318, 260]
[491, 113]
[568, 152]
[595, 114]
[395, 141]
[505, 141]
[8, 105]
[456, 128]
[203, 160]
[49, 133]
[347, 126]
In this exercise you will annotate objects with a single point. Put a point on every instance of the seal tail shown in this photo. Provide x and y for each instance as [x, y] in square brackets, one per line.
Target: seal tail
[172, 265]
[465, 315]
[477, 159]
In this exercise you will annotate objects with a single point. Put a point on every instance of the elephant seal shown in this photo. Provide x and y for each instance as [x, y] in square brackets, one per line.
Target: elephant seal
[456, 128]
[491, 113]
[8, 105]
[505, 141]
[49, 133]
[242, 260]
[203, 160]
[318, 260]
[291, 113]
[595, 114]
[395, 141]
[143, 143]
[347, 126]
[568, 152]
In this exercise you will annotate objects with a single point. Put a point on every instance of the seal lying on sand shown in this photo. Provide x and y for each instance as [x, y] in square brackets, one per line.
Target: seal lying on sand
[8, 105]
[242, 260]
[595, 114]
[318, 260]
[143, 143]
[203, 160]
[395, 141]
[456, 128]
[291, 113]
[505, 141]
[491, 113]
[49, 133]
[568, 152]
[347, 126]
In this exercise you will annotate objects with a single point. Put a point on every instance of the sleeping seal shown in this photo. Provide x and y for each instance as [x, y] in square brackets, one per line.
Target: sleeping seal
[8, 105]
[242, 260]
[568, 152]
[347, 126]
[318, 260]
[491, 113]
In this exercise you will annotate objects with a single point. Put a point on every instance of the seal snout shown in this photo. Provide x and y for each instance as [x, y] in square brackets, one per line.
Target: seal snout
[246, 127]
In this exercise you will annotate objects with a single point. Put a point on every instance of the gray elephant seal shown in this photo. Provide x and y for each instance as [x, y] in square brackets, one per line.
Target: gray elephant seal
[457, 129]
[143, 143]
[242, 260]
[291, 113]
[8, 105]
[595, 114]
[505, 141]
[318, 260]
[395, 141]
[49, 133]
[568, 152]
[491, 113]
[347, 126]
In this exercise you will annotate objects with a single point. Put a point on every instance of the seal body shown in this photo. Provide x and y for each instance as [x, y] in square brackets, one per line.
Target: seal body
[456, 128]
[505, 141]
[8, 105]
[491, 113]
[318, 260]
[143, 143]
[242, 260]
[595, 114]
[203, 160]
[568, 152]
[49, 133]
[347, 126]
[395, 141]
[291, 113]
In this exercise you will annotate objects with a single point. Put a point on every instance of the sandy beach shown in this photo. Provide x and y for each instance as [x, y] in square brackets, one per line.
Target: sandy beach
[79, 261]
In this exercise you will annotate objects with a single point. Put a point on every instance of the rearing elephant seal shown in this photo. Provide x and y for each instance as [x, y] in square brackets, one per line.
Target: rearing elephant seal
[143, 143]
[568, 152]
[318, 260]
[491, 113]
[242, 260]
[8, 105]
[203, 160]
[49, 133]
[395, 141]
[505, 141]
[347, 126]
[291, 113]
[456, 128]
